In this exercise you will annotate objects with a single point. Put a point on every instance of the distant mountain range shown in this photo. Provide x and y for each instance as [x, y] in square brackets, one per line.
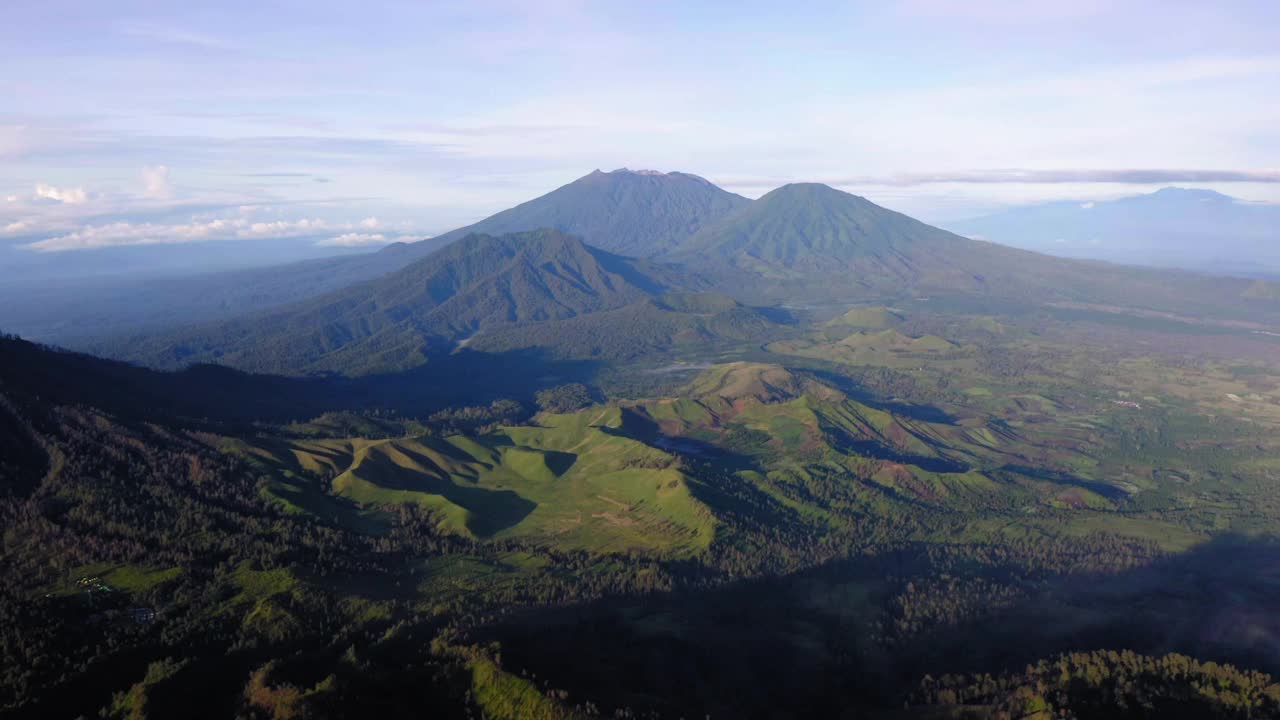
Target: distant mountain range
[634, 213]
[543, 288]
[810, 242]
[1174, 227]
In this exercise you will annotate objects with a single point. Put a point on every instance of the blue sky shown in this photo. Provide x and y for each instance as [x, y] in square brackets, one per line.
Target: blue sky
[354, 124]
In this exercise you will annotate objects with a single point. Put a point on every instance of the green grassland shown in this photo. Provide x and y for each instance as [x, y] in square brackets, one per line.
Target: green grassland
[1085, 386]
[630, 475]
[574, 480]
[865, 347]
[112, 576]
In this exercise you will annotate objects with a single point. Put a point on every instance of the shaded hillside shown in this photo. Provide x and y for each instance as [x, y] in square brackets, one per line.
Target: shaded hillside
[48, 376]
[77, 313]
[397, 321]
[638, 213]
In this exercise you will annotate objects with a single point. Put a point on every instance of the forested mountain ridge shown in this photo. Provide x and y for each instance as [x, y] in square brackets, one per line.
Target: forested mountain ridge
[397, 321]
[802, 243]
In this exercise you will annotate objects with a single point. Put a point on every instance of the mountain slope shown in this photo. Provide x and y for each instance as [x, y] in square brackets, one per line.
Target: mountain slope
[1173, 227]
[637, 213]
[805, 226]
[675, 321]
[810, 241]
[396, 321]
[807, 232]
[634, 213]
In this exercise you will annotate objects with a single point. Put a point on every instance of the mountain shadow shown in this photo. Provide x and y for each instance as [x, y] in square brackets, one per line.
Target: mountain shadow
[48, 376]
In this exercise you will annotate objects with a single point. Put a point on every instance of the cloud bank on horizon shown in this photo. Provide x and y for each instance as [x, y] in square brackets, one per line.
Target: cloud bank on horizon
[137, 123]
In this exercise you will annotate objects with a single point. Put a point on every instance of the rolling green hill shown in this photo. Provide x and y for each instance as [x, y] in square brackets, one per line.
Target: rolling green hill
[613, 477]
[875, 317]
[397, 321]
[795, 434]
[809, 227]
[573, 480]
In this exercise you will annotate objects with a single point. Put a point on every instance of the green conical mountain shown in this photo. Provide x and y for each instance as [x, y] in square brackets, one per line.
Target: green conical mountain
[808, 226]
[640, 213]
[808, 240]
[395, 321]
[809, 229]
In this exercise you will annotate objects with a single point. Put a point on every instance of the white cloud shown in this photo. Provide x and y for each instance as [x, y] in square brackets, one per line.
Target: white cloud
[126, 233]
[11, 198]
[70, 196]
[1086, 206]
[369, 223]
[155, 181]
[17, 227]
[284, 228]
[354, 240]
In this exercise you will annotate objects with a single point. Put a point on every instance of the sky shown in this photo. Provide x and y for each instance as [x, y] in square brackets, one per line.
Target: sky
[340, 125]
